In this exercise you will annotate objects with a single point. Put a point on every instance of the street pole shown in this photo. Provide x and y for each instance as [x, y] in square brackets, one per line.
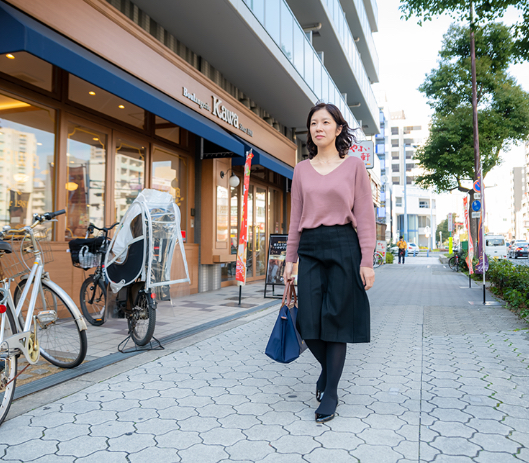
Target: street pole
[431, 221]
[405, 201]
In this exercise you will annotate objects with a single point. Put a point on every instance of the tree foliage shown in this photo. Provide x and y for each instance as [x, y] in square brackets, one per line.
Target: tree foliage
[503, 107]
[443, 228]
[485, 11]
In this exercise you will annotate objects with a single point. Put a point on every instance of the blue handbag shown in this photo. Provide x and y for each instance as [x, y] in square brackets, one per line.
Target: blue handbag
[285, 344]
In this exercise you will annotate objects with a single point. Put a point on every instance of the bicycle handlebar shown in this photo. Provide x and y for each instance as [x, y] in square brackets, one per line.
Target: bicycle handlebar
[91, 228]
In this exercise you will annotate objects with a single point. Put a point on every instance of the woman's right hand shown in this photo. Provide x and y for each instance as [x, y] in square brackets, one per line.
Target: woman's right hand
[287, 274]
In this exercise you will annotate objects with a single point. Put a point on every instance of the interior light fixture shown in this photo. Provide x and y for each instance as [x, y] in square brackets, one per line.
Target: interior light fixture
[121, 106]
[95, 139]
[92, 93]
[39, 144]
[10, 56]
[71, 186]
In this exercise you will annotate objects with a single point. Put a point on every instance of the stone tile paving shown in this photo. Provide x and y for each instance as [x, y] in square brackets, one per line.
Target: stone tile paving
[441, 381]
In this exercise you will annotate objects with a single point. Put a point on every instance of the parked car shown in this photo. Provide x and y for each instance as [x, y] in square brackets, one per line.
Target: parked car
[519, 249]
[495, 246]
[394, 249]
[413, 248]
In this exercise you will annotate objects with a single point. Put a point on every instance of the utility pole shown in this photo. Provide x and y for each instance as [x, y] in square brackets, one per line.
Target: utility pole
[405, 200]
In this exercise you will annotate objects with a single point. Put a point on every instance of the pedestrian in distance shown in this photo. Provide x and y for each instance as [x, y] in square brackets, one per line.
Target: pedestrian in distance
[402, 245]
[333, 232]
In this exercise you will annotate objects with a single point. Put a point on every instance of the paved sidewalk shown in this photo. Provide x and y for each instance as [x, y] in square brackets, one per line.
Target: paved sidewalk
[442, 380]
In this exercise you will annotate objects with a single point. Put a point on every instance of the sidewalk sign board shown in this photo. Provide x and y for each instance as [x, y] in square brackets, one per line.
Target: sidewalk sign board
[381, 248]
[450, 222]
[450, 245]
[364, 150]
[275, 267]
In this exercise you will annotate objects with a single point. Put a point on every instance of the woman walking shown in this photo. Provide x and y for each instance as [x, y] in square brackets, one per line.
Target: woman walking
[332, 230]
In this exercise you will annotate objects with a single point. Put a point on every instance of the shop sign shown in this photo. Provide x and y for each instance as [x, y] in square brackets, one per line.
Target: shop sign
[363, 150]
[218, 110]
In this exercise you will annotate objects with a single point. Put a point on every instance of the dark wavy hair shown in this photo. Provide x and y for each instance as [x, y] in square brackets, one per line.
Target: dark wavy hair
[343, 141]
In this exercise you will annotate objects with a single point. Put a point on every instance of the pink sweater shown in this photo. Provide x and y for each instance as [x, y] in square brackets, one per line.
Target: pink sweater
[340, 197]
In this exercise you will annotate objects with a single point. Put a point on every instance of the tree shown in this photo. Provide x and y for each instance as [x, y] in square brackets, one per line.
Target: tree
[476, 12]
[448, 156]
[484, 11]
[443, 227]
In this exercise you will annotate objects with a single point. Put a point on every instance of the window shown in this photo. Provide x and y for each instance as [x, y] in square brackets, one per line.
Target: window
[394, 130]
[129, 175]
[424, 203]
[394, 155]
[28, 180]
[85, 173]
[495, 242]
[396, 180]
[395, 143]
[398, 201]
[169, 174]
[86, 94]
[410, 154]
[409, 167]
[395, 168]
[167, 130]
[28, 68]
[410, 180]
[424, 221]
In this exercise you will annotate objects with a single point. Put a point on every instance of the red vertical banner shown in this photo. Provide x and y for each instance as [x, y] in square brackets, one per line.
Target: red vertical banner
[240, 273]
[470, 255]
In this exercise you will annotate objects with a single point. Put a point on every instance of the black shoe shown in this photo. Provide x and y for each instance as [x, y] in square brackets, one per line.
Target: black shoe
[319, 394]
[324, 418]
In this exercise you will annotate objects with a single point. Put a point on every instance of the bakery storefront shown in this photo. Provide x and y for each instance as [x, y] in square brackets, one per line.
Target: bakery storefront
[85, 126]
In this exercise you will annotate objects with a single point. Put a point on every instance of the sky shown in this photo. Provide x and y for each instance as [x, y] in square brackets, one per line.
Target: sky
[407, 53]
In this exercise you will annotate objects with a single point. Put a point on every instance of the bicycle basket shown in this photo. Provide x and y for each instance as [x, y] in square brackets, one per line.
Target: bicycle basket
[86, 253]
[20, 261]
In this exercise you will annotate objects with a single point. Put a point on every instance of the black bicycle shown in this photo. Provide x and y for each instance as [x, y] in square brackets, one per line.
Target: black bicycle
[456, 262]
[86, 254]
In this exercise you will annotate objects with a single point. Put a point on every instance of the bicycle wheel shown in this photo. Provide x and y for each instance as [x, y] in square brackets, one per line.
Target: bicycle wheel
[141, 320]
[452, 263]
[8, 368]
[378, 260]
[61, 342]
[94, 312]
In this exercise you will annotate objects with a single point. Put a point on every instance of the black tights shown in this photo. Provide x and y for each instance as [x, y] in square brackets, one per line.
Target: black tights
[331, 356]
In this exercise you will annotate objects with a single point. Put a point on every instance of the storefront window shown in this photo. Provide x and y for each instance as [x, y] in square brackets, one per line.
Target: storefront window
[228, 269]
[86, 168]
[169, 173]
[167, 130]
[27, 160]
[28, 68]
[129, 175]
[82, 92]
[274, 211]
[260, 231]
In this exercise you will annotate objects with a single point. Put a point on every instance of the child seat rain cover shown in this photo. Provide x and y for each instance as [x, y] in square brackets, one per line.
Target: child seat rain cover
[148, 244]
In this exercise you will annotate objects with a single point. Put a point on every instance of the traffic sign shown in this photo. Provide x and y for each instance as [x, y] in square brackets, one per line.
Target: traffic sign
[477, 195]
[477, 186]
[476, 205]
[476, 215]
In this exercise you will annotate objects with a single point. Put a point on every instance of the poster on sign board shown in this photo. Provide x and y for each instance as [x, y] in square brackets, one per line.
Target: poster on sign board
[381, 248]
[364, 150]
[277, 251]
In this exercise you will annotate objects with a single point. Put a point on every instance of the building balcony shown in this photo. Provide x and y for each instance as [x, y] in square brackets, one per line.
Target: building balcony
[341, 57]
[263, 52]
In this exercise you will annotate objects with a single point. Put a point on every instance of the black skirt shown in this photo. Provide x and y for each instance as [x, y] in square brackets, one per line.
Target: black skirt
[333, 304]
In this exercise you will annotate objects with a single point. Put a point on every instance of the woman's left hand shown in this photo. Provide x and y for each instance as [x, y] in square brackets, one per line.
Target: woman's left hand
[368, 277]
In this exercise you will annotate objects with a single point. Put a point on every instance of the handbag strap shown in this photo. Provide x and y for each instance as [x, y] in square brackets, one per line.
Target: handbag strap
[290, 291]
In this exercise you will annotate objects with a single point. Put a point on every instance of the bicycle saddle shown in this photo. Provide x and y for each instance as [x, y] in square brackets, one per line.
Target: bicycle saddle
[5, 246]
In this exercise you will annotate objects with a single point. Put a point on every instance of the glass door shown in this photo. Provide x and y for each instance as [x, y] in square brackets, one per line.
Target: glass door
[260, 231]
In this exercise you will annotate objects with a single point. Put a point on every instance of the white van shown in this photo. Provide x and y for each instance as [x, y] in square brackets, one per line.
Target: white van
[496, 246]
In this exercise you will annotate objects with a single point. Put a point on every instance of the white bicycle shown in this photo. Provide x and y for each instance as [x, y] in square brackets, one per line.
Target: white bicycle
[41, 318]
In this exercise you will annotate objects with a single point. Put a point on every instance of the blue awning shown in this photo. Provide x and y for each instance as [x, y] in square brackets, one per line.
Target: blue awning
[19, 32]
[262, 158]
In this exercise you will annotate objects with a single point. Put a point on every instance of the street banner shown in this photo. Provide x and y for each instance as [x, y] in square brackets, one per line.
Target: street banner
[240, 272]
[450, 222]
[470, 254]
[365, 151]
[483, 264]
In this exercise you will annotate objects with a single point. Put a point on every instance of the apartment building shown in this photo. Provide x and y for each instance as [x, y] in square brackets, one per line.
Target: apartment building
[172, 95]
[519, 210]
[408, 199]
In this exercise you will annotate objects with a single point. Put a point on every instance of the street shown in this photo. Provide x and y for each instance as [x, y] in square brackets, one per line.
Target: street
[444, 379]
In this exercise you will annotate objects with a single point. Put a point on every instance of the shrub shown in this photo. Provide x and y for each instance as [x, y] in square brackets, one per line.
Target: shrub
[389, 258]
[511, 282]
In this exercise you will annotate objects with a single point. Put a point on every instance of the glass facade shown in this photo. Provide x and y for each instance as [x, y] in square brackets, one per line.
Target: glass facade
[27, 160]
